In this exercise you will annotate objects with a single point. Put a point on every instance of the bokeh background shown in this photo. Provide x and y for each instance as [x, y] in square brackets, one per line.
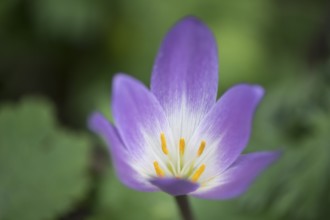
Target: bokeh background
[57, 59]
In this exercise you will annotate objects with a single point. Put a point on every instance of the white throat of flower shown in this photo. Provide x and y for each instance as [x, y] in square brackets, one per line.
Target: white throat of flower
[180, 167]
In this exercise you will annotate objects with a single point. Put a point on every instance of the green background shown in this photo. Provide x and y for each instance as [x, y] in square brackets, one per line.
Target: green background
[57, 60]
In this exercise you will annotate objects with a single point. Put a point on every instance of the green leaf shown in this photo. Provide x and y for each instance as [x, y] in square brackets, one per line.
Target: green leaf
[43, 168]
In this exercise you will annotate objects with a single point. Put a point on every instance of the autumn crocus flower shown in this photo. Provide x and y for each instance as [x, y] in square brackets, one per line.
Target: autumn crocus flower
[176, 137]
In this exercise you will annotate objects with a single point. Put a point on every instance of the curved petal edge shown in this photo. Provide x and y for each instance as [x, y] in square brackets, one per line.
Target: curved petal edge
[185, 73]
[228, 124]
[136, 113]
[239, 176]
[127, 175]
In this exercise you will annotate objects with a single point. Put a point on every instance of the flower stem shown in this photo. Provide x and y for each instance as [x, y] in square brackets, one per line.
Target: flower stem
[184, 207]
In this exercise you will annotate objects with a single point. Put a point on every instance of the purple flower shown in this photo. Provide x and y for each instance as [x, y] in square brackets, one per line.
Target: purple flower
[176, 137]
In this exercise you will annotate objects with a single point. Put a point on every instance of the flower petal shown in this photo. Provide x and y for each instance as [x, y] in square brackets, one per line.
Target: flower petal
[120, 157]
[239, 176]
[138, 116]
[175, 186]
[226, 128]
[185, 74]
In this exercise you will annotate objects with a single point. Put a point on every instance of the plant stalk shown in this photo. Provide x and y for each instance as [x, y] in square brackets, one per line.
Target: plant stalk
[184, 207]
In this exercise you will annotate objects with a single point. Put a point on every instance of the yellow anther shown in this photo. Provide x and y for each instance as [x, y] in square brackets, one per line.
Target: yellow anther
[201, 148]
[163, 142]
[198, 173]
[158, 170]
[182, 146]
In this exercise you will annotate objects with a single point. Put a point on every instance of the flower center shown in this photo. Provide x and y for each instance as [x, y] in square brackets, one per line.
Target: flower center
[185, 169]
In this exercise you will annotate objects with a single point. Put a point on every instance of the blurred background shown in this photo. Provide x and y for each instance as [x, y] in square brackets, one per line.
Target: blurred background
[57, 59]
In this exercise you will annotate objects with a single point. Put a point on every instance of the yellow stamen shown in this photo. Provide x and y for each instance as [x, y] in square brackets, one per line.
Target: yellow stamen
[163, 142]
[158, 170]
[201, 148]
[182, 146]
[198, 173]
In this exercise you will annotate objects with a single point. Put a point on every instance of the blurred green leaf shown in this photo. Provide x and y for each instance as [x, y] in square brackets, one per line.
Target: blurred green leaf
[293, 118]
[230, 209]
[116, 201]
[73, 19]
[296, 187]
[6, 7]
[43, 168]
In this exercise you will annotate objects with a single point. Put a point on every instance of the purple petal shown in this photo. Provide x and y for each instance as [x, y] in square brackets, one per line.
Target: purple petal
[175, 186]
[239, 176]
[137, 113]
[186, 68]
[228, 124]
[128, 176]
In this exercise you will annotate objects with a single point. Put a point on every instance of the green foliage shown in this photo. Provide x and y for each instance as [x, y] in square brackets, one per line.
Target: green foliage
[43, 168]
[298, 117]
[116, 201]
[69, 19]
[233, 210]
